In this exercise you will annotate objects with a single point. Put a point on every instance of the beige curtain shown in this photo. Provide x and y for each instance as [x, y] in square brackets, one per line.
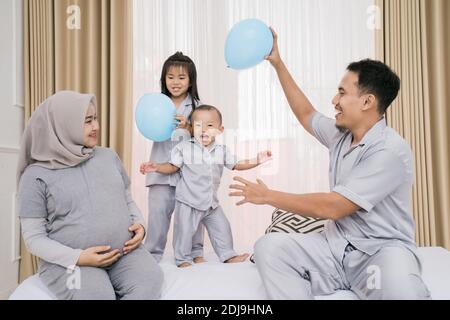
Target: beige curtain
[85, 46]
[414, 40]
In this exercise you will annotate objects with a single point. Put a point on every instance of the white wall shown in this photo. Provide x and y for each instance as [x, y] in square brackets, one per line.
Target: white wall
[11, 127]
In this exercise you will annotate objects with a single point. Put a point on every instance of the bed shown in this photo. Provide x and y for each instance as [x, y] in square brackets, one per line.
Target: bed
[217, 281]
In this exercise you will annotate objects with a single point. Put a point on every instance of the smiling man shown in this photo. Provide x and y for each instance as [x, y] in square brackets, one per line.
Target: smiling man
[368, 244]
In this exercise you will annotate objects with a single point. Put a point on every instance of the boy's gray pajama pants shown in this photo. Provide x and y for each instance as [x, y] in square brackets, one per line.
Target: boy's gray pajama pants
[186, 223]
[161, 205]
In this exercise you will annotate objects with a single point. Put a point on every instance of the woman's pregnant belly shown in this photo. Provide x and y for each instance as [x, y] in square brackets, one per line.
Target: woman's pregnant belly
[108, 227]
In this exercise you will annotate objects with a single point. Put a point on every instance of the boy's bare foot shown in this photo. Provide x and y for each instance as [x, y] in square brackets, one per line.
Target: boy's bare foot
[185, 265]
[237, 259]
[199, 260]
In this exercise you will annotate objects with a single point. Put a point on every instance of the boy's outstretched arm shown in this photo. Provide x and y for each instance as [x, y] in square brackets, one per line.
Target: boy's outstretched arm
[262, 157]
[164, 168]
[300, 105]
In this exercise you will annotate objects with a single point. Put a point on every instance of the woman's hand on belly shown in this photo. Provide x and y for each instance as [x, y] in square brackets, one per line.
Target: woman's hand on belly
[98, 257]
[135, 242]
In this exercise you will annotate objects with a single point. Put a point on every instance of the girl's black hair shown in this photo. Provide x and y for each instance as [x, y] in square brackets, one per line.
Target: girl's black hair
[180, 60]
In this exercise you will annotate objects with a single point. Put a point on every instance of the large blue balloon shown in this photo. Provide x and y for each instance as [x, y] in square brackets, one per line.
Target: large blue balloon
[155, 117]
[248, 42]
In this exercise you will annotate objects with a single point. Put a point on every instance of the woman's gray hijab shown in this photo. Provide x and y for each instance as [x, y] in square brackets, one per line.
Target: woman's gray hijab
[53, 138]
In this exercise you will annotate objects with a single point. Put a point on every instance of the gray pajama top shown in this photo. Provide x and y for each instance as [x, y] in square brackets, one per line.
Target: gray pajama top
[201, 170]
[376, 175]
[84, 206]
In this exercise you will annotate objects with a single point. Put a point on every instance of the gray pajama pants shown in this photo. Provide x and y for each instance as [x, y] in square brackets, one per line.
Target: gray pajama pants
[187, 220]
[301, 266]
[135, 276]
[161, 204]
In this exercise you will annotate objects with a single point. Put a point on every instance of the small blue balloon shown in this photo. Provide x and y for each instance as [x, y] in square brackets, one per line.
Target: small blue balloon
[247, 44]
[155, 117]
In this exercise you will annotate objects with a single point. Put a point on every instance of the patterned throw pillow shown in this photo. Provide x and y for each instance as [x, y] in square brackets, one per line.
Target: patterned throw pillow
[288, 222]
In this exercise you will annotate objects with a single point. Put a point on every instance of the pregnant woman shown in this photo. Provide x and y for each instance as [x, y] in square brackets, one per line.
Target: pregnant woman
[76, 210]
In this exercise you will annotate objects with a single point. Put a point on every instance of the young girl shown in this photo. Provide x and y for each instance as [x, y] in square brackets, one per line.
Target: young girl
[178, 82]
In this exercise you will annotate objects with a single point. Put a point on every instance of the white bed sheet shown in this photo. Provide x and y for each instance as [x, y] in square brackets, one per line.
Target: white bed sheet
[217, 281]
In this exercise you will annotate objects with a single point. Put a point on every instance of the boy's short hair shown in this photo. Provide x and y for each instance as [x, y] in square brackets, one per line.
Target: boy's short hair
[206, 107]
